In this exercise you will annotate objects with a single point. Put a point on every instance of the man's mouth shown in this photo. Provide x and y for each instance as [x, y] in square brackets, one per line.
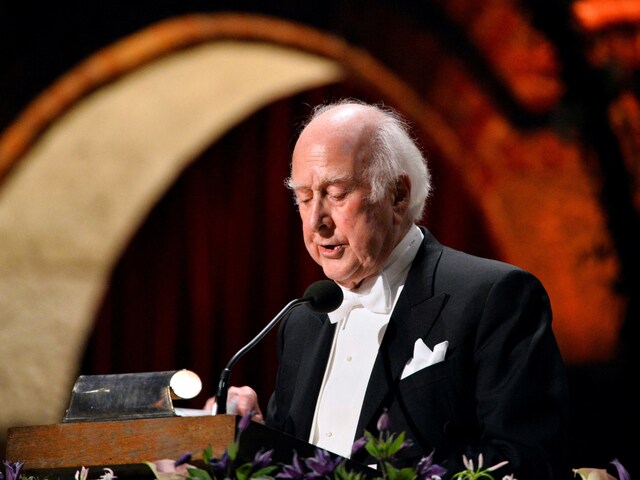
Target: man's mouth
[331, 250]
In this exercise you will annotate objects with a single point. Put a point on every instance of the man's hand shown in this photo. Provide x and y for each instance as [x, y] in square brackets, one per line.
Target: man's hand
[240, 401]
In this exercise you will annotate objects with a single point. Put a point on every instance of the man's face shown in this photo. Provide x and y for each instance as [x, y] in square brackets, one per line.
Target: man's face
[347, 235]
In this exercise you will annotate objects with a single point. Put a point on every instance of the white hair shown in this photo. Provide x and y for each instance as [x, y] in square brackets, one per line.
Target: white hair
[394, 153]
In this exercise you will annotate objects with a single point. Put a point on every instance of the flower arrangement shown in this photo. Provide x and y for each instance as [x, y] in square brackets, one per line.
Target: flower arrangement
[383, 448]
[321, 466]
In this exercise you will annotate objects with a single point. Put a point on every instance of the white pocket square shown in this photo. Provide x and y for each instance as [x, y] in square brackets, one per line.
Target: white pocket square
[424, 357]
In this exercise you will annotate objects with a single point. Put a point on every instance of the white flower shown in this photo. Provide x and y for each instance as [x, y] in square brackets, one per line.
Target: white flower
[468, 463]
[82, 474]
[108, 474]
[593, 474]
[497, 466]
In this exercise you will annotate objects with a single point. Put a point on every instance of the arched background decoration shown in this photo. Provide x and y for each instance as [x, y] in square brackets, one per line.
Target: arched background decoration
[105, 149]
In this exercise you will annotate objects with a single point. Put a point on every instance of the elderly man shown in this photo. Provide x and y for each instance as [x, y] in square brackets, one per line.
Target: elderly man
[457, 349]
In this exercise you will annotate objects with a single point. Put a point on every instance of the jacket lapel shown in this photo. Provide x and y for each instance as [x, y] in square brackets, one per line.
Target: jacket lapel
[313, 361]
[413, 317]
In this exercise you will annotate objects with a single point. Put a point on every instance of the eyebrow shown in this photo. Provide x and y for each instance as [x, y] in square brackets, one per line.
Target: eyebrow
[326, 182]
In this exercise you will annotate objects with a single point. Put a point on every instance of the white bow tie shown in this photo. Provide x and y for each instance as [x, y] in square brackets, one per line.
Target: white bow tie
[376, 298]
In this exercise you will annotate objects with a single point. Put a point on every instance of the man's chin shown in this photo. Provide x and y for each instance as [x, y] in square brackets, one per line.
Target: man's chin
[341, 272]
[345, 281]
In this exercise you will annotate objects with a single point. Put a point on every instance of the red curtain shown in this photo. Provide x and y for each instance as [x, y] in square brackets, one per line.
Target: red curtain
[221, 254]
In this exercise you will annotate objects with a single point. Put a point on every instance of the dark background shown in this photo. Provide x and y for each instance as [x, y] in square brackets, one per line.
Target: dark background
[39, 41]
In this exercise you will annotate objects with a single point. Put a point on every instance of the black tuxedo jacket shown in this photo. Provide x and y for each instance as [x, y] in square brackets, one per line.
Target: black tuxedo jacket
[501, 390]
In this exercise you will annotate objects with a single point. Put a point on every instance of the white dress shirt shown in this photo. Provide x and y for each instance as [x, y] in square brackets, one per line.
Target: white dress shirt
[355, 346]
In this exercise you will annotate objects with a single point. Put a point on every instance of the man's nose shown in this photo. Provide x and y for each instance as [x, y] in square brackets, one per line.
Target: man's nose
[320, 217]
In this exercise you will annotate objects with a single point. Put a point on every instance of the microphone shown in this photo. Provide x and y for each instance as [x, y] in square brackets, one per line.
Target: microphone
[323, 296]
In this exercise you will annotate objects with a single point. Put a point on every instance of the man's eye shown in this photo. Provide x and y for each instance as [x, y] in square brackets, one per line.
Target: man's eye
[337, 195]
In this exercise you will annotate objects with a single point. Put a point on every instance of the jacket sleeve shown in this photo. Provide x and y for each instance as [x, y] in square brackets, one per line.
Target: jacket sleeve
[520, 387]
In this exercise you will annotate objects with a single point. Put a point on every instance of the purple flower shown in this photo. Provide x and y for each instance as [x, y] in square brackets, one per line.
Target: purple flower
[622, 472]
[322, 464]
[295, 471]
[384, 423]
[426, 469]
[13, 469]
[182, 459]
[358, 444]
[262, 459]
[245, 421]
[222, 464]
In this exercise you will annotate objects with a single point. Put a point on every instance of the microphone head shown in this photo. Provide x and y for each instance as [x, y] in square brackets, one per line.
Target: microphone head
[323, 296]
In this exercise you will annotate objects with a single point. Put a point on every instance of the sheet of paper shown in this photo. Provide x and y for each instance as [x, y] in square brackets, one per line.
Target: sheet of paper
[192, 412]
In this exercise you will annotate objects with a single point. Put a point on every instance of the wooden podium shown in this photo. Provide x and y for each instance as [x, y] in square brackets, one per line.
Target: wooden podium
[59, 450]
[72, 445]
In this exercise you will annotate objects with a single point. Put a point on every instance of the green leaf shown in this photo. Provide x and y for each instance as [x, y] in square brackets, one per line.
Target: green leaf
[207, 454]
[232, 451]
[243, 471]
[341, 473]
[396, 445]
[373, 449]
[368, 435]
[198, 473]
[471, 475]
[264, 472]
[484, 474]
[404, 474]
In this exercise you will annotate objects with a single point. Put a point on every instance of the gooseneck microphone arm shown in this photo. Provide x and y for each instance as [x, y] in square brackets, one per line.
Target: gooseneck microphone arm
[223, 385]
[323, 296]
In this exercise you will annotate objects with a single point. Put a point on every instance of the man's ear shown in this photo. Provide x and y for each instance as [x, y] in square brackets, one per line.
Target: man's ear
[401, 195]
